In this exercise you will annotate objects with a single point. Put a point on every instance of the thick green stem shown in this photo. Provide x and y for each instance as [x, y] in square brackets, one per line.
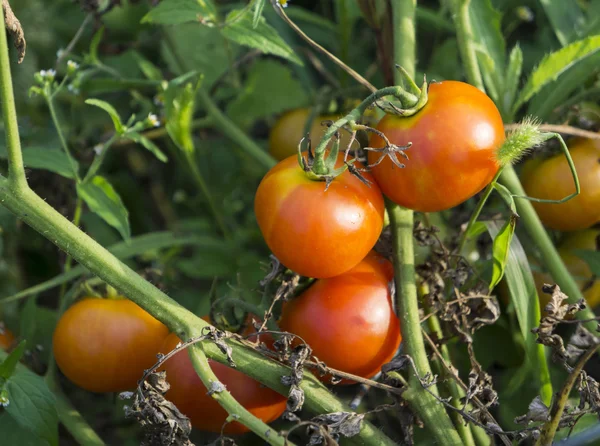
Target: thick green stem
[236, 411]
[464, 35]
[548, 253]
[16, 169]
[430, 410]
[404, 27]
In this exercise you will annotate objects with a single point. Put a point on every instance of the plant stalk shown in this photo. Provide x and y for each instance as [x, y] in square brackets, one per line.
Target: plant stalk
[464, 35]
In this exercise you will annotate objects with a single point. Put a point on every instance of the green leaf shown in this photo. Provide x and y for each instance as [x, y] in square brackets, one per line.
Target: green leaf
[95, 43]
[200, 47]
[119, 127]
[494, 84]
[266, 78]
[239, 29]
[506, 196]
[523, 295]
[52, 160]
[555, 64]
[592, 258]
[511, 81]
[124, 250]
[103, 200]
[32, 405]
[258, 9]
[148, 144]
[150, 70]
[487, 33]
[176, 12]
[8, 366]
[14, 434]
[180, 105]
[476, 229]
[500, 250]
[567, 19]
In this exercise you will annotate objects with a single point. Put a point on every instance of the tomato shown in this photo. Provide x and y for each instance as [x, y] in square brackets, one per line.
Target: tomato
[190, 396]
[316, 232]
[552, 179]
[584, 240]
[7, 339]
[348, 320]
[104, 345]
[288, 131]
[454, 141]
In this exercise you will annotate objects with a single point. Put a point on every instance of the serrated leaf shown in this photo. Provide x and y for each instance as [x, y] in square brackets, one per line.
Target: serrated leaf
[567, 19]
[176, 12]
[500, 250]
[8, 366]
[487, 32]
[32, 405]
[266, 78]
[494, 84]
[592, 258]
[554, 64]
[239, 29]
[148, 144]
[119, 127]
[104, 201]
[150, 70]
[511, 81]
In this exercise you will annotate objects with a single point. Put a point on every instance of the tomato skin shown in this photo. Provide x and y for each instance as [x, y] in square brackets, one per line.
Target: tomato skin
[288, 131]
[104, 345]
[190, 396]
[348, 320]
[453, 154]
[7, 339]
[552, 179]
[316, 232]
[584, 240]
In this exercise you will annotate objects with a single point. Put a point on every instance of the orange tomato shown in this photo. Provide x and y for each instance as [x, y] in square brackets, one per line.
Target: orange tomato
[288, 131]
[316, 232]
[551, 179]
[348, 320]
[454, 141]
[104, 345]
[7, 339]
[190, 396]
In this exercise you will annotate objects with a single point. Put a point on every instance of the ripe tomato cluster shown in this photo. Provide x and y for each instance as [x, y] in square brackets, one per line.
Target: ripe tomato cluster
[327, 233]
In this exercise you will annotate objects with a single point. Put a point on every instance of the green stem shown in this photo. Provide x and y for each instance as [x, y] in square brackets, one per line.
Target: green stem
[403, 12]
[541, 239]
[99, 159]
[550, 428]
[61, 136]
[477, 212]
[432, 413]
[235, 410]
[16, 168]
[464, 35]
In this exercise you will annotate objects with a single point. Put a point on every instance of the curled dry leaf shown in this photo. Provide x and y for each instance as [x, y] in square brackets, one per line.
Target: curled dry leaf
[161, 421]
[15, 29]
[537, 411]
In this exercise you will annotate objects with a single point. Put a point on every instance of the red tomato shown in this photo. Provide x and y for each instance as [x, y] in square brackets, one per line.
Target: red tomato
[348, 320]
[552, 179]
[316, 232]
[7, 339]
[104, 345]
[190, 396]
[454, 141]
